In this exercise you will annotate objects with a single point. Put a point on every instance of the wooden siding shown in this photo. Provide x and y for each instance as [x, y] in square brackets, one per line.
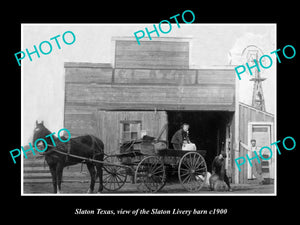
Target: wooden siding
[151, 54]
[108, 123]
[37, 171]
[96, 105]
[221, 77]
[150, 96]
[154, 76]
[81, 123]
[88, 75]
[122, 94]
[148, 89]
[248, 114]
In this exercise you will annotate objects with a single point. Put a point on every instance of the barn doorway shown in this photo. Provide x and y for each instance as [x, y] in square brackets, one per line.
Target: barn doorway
[207, 130]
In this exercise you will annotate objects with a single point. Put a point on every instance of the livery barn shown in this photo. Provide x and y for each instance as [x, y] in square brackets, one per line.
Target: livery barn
[148, 86]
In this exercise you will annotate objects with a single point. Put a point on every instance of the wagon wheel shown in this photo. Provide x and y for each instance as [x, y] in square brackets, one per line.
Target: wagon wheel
[192, 171]
[114, 177]
[150, 174]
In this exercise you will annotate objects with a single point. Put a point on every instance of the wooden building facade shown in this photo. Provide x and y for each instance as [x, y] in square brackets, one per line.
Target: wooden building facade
[150, 85]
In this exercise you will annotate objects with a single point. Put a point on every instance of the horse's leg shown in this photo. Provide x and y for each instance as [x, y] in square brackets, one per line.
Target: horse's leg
[92, 171]
[59, 173]
[100, 175]
[53, 175]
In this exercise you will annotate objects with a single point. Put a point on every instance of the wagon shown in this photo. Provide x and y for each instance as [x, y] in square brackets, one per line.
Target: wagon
[149, 163]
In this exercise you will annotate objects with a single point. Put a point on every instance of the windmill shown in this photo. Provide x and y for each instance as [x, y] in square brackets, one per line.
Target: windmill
[252, 52]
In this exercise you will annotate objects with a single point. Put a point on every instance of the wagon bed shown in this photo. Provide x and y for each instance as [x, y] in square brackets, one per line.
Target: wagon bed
[162, 153]
[178, 153]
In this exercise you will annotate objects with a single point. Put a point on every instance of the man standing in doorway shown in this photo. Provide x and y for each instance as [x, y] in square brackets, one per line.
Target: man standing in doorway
[257, 170]
[181, 136]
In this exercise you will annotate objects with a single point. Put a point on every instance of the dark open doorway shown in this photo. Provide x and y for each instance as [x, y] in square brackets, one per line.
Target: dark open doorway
[207, 129]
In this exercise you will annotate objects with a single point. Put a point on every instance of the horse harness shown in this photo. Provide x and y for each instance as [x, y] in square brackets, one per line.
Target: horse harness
[68, 154]
[68, 150]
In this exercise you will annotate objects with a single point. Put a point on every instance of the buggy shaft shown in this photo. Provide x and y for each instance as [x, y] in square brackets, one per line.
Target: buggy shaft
[92, 160]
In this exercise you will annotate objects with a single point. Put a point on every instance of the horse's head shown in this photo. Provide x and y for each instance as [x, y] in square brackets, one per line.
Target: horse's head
[40, 131]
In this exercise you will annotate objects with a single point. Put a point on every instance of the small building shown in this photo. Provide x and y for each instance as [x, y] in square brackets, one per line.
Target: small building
[152, 84]
[258, 125]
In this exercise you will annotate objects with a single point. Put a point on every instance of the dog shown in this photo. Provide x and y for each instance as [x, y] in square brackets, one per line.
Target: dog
[204, 178]
[216, 184]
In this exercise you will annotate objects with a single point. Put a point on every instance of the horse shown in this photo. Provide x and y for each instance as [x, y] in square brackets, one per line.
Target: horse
[87, 146]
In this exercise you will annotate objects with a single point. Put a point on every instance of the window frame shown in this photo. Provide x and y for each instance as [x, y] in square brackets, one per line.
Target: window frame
[131, 131]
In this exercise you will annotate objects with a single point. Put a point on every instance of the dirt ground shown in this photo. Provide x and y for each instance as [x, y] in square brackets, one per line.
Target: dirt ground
[173, 188]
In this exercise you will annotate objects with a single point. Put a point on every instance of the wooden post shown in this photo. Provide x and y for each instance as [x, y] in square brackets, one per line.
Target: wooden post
[236, 132]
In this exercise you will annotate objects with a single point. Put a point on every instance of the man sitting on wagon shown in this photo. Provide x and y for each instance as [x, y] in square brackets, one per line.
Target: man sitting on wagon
[181, 138]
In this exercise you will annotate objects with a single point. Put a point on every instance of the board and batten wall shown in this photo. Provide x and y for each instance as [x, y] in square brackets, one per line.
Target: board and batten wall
[109, 125]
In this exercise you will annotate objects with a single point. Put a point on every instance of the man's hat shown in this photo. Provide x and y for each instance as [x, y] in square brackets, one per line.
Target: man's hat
[224, 154]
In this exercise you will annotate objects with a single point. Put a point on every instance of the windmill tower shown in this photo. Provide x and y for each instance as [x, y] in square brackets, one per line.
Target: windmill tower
[252, 52]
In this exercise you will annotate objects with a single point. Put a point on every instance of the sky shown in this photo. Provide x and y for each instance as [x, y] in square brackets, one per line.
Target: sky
[211, 45]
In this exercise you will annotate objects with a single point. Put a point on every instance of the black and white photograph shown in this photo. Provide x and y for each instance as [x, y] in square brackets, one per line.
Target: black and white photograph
[164, 114]
[150, 114]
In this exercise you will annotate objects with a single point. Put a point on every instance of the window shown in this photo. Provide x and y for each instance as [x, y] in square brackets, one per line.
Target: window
[259, 129]
[130, 130]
